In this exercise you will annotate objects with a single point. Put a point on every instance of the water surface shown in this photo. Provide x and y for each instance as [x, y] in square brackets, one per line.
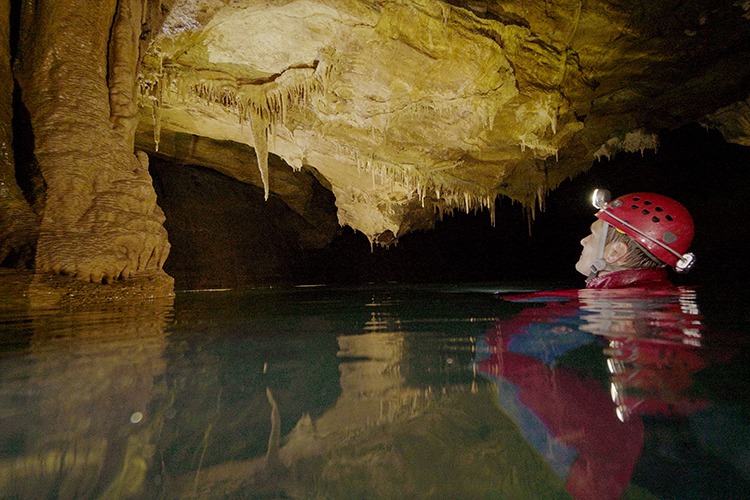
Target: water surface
[379, 391]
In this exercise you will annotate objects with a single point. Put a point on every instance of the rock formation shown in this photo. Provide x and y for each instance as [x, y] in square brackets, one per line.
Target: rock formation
[18, 225]
[411, 108]
[405, 109]
[76, 67]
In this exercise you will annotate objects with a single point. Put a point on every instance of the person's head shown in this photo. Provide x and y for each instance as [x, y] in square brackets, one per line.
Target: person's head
[637, 231]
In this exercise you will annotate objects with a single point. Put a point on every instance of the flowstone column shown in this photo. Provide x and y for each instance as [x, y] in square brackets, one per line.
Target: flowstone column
[18, 225]
[77, 70]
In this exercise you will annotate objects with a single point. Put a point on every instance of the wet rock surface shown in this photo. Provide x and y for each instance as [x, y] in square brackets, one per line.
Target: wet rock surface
[403, 111]
[410, 109]
[21, 290]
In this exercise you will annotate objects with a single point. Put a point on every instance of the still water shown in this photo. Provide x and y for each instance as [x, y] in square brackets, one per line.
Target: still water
[379, 391]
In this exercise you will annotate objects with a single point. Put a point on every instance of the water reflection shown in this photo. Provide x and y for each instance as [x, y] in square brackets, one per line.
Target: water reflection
[369, 392]
[652, 346]
[591, 426]
[348, 447]
[81, 402]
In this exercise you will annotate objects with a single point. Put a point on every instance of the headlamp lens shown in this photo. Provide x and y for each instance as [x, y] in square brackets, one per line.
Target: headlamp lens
[600, 198]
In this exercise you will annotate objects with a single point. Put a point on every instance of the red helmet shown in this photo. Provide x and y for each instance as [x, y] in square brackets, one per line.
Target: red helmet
[660, 224]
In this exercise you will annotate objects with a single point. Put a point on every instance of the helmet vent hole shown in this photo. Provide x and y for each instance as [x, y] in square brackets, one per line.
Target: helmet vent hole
[636, 198]
[647, 202]
[659, 209]
[645, 212]
[669, 218]
[654, 219]
[634, 206]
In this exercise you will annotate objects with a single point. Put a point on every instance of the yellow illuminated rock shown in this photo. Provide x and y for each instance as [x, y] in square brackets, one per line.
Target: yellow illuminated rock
[411, 108]
[406, 109]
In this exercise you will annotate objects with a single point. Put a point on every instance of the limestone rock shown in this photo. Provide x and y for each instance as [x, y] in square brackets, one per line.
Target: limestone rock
[403, 109]
[733, 121]
[76, 68]
[410, 108]
[18, 224]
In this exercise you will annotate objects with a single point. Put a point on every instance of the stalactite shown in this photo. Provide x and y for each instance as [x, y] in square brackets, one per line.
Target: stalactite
[156, 117]
[491, 208]
[541, 197]
[123, 63]
[264, 105]
[259, 127]
[530, 217]
[638, 140]
[152, 88]
[157, 108]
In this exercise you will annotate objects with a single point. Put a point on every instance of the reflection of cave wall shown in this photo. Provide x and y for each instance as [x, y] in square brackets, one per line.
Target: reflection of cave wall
[222, 413]
[79, 417]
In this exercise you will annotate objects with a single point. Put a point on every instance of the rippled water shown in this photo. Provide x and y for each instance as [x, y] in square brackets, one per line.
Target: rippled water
[379, 391]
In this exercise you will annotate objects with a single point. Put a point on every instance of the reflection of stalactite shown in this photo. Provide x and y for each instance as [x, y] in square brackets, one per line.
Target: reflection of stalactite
[274, 439]
[206, 435]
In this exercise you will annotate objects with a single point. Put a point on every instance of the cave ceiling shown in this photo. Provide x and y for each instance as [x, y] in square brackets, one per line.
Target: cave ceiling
[407, 109]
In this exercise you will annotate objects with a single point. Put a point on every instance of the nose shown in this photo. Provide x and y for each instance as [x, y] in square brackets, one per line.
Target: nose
[585, 239]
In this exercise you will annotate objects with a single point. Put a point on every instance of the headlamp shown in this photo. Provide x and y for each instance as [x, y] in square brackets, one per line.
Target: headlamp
[600, 198]
[685, 262]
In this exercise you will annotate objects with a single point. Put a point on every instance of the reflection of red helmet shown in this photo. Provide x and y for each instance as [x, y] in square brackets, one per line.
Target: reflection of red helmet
[660, 224]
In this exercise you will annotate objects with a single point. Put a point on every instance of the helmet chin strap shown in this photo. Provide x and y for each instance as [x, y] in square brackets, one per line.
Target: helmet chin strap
[599, 263]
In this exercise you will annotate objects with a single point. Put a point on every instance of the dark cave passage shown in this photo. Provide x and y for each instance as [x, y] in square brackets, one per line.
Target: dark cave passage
[224, 235]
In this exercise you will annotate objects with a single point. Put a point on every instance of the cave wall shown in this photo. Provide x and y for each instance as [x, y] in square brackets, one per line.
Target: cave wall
[233, 244]
[18, 224]
[414, 108]
[224, 234]
[400, 113]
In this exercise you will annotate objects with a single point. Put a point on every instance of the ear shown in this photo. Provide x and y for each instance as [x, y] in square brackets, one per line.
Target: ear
[615, 251]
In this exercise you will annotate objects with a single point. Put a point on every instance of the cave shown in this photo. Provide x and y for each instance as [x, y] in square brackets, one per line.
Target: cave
[203, 144]
[327, 249]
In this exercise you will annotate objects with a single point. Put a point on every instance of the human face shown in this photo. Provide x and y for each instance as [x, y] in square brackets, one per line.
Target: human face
[589, 244]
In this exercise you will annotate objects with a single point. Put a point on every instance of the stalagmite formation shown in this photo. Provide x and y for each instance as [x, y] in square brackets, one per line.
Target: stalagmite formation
[76, 68]
[404, 109]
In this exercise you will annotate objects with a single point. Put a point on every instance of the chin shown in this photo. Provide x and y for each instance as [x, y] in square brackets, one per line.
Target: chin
[582, 268]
